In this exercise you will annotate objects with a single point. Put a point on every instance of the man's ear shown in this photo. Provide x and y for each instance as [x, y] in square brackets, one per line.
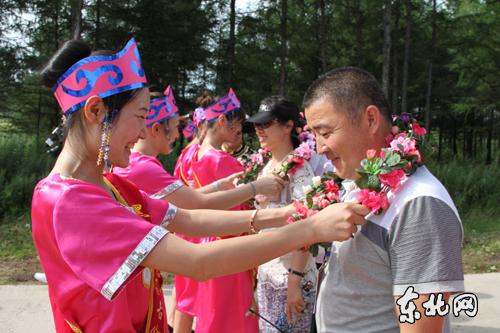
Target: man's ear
[94, 110]
[372, 118]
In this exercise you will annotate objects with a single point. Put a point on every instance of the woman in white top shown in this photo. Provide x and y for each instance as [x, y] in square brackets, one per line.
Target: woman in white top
[286, 285]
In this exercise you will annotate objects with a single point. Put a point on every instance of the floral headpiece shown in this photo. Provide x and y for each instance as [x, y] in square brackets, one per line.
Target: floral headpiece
[100, 75]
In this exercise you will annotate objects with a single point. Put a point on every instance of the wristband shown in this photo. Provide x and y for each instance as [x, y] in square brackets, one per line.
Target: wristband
[301, 274]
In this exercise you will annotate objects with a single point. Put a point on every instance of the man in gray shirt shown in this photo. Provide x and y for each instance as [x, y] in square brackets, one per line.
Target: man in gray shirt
[412, 249]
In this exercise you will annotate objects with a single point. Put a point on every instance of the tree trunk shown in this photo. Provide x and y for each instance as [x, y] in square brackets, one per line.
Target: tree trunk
[490, 136]
[358, 13]
[429, 70]
[56, 26]
[322, 34]
[387, 47]
[406, 61]
[395, 65]
[284, 47]
[454, 139]
[97, 24]
[440, 149]
[231, 48]
[76, 18]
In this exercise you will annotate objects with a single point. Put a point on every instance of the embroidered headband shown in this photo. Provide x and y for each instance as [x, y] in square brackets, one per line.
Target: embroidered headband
[162, 108]
[100, 75]
[223, 105]
[189, 130]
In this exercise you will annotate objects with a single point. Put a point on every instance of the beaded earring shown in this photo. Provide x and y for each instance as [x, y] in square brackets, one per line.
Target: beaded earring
[105, 136]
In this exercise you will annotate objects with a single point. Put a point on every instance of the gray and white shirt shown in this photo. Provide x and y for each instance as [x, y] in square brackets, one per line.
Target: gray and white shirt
[416, 242]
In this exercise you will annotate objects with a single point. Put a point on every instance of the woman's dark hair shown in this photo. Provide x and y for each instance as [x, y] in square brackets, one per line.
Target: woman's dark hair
[285, 110]
[71, 52]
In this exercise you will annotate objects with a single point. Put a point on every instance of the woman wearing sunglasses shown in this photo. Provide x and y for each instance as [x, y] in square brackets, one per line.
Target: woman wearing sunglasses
[286, 285]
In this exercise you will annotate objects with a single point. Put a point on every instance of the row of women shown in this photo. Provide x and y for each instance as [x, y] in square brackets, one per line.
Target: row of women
[104, 237]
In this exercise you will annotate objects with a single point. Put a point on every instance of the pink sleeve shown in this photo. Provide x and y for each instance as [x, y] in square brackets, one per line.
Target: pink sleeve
[102, 241]
[150, 176]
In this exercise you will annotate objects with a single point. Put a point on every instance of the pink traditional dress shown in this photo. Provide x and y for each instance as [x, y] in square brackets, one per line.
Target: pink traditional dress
[223, 303]
[91, 248]
[186, 289]
[149, 175]
[183, 169]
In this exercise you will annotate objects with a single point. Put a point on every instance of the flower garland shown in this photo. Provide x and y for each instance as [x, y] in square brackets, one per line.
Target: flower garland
[385, 171]
[380, 172]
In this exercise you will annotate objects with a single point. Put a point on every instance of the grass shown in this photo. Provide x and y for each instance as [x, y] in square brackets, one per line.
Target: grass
[481, 251]
[15, 239]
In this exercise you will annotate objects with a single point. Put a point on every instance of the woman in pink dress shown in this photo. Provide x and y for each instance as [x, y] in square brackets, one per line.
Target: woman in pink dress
[101, 241]
[147, 172]
[226, 300]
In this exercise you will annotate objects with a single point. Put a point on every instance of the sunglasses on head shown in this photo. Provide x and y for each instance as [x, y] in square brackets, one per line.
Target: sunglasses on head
[265, 125]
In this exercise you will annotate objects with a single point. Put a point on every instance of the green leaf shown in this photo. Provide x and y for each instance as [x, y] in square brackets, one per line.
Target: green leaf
[373, 182]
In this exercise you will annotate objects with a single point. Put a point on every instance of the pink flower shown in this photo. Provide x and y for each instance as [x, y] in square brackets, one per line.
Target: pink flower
[282, 174]
[395, 130]
[409, 145]
[300, 208]
[417, 130]
[375, 201]
[290, 219]
[257, 158]
[382, 154]
[304, 151]
[393, 179]
[323, 203]
[371, 153]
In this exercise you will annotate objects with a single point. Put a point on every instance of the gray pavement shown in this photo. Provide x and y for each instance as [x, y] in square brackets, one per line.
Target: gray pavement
[26, 308]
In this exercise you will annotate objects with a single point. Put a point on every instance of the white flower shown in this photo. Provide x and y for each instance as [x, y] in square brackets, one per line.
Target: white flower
[316, 180]
[307, 189]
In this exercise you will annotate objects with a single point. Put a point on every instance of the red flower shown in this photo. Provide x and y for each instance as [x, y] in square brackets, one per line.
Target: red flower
[418, 130]
[375, 201]
[331, 187]
[393, 179]
[297, 163]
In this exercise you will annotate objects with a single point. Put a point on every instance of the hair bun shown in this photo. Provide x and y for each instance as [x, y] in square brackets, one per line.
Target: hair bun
[68, 54]
[205, 99]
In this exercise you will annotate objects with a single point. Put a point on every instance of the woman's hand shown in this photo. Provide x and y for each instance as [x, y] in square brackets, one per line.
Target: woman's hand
[295, 304]
[228, 182]
[338, 222]
[269, 186]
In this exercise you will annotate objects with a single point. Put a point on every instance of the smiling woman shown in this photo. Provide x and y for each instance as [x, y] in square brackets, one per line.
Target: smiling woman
[100, 238]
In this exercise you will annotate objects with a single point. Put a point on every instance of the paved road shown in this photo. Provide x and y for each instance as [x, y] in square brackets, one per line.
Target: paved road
[26, 308]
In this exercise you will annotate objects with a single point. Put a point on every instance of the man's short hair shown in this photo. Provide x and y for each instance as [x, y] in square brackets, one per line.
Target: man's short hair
[351, 90]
